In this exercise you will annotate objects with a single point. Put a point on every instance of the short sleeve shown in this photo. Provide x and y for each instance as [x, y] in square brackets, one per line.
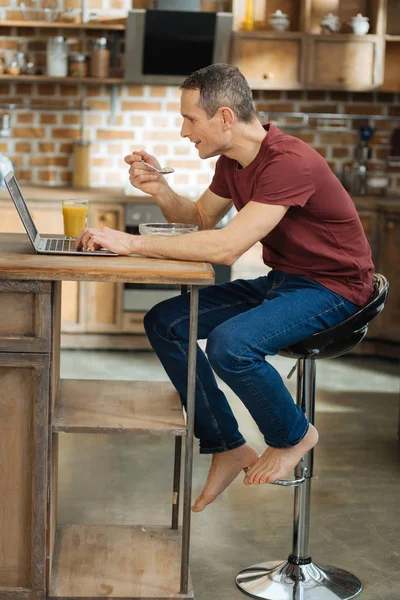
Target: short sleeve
[285, 181]
[219, 185]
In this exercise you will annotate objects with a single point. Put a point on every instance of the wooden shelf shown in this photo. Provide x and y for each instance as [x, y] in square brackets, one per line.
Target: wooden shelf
[62, 25]
[267, 34]
[116, 561]
[100, 406]
[392, 38]
[46, 79]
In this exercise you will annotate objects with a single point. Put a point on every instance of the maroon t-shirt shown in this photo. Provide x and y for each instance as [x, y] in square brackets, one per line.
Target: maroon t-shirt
[320, 236]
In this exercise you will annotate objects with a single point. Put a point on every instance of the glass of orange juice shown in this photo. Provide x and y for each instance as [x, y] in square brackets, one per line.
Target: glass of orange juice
[75, 213]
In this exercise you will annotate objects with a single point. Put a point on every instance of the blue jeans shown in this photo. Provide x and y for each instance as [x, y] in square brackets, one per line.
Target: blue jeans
[243, 322]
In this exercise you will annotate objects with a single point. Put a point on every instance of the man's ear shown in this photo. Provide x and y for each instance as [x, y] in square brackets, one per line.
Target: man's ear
[227, 117]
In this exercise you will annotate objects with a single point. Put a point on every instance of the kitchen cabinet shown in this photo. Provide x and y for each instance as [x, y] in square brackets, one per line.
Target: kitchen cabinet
[103, 301]
[303, 57]
[392, 54]
[25, 341]
[389, 265]
[391, 82]
[269, 61]
[345, 62]
[381, 221]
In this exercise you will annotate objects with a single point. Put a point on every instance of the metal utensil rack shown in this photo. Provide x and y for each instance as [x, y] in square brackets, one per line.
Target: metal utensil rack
[323, 118]
[323, 123]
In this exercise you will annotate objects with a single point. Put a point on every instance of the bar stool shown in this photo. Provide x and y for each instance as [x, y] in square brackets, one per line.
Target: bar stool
[299, 578]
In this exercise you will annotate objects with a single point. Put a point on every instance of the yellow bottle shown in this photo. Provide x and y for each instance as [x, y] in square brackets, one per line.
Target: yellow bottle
[249, 16]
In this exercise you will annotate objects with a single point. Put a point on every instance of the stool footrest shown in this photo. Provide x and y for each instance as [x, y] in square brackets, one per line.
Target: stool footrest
[282, 580]
[292, 482]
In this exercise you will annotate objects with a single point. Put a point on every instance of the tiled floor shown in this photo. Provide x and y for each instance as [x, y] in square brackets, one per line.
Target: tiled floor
[356, 487]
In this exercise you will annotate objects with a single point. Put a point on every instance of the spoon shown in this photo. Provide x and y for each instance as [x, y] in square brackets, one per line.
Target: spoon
[164, 171]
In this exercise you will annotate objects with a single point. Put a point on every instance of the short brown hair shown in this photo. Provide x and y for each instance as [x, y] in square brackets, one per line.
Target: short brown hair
[222, 85]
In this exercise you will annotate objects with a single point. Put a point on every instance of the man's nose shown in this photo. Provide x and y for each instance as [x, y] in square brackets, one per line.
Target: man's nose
[184, 130]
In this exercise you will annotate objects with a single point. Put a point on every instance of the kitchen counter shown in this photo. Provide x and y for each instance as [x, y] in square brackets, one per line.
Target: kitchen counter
[46, 193]
[107, 195]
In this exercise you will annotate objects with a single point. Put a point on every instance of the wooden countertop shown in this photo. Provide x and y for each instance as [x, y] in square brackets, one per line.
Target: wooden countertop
[391, 203]
[117, 195]
[47, 194]
[19, 261]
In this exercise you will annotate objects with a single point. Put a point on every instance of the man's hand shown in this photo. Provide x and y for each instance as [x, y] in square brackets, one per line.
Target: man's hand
[142, 177]
[110, 239]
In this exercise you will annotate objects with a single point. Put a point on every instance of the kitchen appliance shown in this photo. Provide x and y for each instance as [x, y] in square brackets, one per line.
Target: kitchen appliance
[164, 46]
[140, 297]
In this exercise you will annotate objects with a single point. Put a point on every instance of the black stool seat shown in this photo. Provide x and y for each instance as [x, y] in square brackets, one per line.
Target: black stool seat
[344, 336]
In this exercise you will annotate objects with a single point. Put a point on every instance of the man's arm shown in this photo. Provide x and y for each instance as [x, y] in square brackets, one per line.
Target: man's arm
[205, 212]
[221, 246]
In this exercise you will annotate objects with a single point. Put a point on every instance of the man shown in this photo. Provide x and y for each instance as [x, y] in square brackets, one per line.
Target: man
[287, 198]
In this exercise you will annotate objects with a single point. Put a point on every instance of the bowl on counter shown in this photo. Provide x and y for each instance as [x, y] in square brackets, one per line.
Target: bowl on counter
[166, 228]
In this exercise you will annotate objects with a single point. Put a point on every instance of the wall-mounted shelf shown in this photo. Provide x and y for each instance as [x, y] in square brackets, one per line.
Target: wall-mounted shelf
[63, 80]
[63, 25]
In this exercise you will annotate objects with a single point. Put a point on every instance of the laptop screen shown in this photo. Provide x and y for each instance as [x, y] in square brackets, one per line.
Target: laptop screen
[21, 207]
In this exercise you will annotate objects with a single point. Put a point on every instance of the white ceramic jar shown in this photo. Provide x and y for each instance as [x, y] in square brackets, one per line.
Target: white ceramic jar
[57, 57]
[330, 23]
[279, 21]
[359, 24]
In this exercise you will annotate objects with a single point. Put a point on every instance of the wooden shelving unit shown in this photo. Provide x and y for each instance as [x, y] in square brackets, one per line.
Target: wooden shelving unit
[118, 561]
[62, 80]
[63, 25]
[87, 406]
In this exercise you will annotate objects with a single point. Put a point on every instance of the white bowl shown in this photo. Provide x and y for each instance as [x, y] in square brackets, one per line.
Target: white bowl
[166, 228]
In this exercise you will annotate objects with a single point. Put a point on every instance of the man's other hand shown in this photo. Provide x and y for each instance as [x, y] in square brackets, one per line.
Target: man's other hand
[110, 239]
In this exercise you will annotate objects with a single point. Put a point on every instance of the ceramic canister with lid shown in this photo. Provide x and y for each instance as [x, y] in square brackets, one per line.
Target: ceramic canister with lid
[100, 58]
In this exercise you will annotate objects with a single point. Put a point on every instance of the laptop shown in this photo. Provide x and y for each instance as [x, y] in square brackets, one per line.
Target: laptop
[47, 245]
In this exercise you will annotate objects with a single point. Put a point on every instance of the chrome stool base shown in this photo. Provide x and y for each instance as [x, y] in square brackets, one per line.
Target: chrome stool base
[286, 581]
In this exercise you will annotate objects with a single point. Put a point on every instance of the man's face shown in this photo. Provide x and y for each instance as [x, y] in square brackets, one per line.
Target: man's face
[208, 135]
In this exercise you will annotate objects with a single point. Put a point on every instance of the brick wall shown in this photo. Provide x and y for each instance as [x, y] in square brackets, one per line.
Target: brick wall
[148, 117]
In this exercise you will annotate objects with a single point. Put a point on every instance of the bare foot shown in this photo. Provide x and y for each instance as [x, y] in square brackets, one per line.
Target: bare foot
[225, 467]
[276, 463]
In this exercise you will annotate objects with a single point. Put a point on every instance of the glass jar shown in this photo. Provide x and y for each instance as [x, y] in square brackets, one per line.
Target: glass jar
[77, 65]
[81, 162]
[13, 68]
[57, 57]
[100, 58]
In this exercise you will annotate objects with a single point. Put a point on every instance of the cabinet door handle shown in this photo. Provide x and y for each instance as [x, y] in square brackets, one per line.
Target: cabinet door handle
[390, 225]
[341, 79]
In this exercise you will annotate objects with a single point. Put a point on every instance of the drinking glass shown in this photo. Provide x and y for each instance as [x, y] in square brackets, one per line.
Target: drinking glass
[75, 213]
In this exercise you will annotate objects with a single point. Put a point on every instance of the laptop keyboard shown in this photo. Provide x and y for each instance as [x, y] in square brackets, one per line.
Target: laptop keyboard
[60, 245]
